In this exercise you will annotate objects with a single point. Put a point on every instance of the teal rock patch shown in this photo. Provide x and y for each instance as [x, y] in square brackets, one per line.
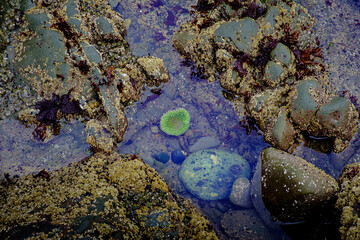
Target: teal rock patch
[335, 115]
[282, 133]
[241, 33]
[282, 54]
[210, 174]
[273, 71]
[306, 103]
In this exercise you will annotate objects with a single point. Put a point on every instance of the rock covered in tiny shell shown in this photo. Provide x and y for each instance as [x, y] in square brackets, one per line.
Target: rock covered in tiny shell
[262, 52]
[292, 188]
[99, 136]
[348, 201]
[105, 196]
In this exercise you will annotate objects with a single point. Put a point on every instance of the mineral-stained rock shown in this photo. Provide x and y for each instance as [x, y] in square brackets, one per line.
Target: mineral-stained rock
[305, 102]
[349, 201]
[110, 97]
[265, 54]
[240, 35]
[106, 196]
[338, 119]
[292, 188]
[323, 115]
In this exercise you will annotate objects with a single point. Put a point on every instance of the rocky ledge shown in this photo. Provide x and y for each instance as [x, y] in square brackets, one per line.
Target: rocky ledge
[105, 196]
[266, 58]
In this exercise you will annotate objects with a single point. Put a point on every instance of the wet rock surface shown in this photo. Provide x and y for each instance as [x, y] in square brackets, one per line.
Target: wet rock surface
[105, 196]
[293, 189]
[78, 48]
[244, 224]
[211, 115]
[267, 57]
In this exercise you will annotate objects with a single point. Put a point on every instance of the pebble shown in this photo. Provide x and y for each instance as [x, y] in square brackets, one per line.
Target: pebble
[240, 194]
[177, 156]
[149, 160]
[210, 174]
[162, 157]
[204, 143]
[154, 129]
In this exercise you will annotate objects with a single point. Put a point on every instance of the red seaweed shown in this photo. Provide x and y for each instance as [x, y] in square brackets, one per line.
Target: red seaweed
[254, 11]
[48, 110]
[83, 67]
[249, 124]
[238, 65]
[157, 93]
[158, 36]
[43, 173]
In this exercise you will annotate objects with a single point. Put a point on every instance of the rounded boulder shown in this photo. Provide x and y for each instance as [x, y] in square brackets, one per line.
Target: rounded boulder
[210, 174]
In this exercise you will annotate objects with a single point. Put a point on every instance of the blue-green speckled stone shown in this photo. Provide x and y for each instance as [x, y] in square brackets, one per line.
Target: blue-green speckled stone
[210, 174]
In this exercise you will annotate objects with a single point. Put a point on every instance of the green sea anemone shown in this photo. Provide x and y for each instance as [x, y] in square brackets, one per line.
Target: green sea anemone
[175, 122]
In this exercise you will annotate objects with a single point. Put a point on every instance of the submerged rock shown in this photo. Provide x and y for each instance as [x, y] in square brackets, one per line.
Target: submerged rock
[292, 188]
[162, 157]
[240, 193]
[178, 156]
[105, 196]
[210, 174]
[244, 224]
[265, 54]
[204, 143]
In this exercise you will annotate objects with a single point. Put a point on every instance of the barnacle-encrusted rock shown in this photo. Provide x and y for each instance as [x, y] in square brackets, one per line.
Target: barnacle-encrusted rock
[79, 47]
[265, 54]
[106, 196]
[99, 136]
[349, 201]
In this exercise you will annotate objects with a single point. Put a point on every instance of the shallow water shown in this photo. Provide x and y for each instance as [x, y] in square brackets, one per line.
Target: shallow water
[151, 26]
[150, 33]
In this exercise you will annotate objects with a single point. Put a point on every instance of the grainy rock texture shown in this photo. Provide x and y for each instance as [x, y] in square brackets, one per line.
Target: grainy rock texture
[105, 196]
[349, 202]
